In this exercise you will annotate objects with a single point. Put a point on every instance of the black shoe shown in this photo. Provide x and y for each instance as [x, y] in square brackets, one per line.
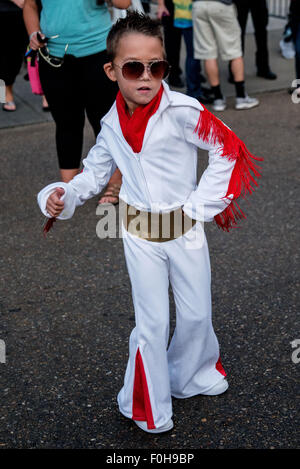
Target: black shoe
[176, 81]
[268, 74]
[207, 91]
[204, 99]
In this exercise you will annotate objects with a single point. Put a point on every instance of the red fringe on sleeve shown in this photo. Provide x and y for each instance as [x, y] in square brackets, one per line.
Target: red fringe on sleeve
[48, 225]
[210, 129]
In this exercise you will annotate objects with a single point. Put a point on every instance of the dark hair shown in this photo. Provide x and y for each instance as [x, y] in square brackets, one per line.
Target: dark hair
[134, 22]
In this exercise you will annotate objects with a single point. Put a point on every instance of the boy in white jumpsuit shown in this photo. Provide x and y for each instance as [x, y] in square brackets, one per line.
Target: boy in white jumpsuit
[152, 135]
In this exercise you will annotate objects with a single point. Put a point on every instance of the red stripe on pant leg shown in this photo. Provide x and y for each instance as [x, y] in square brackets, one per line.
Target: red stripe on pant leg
[219, 367]
[141, 405]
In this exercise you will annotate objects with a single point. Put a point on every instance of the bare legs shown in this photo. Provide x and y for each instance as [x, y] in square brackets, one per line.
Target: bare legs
[111, 194]
[242, 100]
[237, 67]
[212, 70]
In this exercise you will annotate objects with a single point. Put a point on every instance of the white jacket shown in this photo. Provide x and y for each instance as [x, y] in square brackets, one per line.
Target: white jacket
[163, 176]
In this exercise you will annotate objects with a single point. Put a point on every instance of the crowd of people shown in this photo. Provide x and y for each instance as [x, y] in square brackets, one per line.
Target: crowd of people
[72, 53]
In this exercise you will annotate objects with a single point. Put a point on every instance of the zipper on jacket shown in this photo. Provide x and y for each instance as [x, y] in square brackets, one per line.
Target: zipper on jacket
[143, 177]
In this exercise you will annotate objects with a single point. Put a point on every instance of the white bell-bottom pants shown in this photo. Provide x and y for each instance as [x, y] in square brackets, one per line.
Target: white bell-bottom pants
[191, 365]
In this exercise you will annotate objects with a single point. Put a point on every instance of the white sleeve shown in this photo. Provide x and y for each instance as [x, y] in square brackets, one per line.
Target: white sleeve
[98, 168]
[207, 200]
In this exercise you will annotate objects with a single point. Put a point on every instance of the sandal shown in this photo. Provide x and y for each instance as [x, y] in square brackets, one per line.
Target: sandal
[12, 106]
[112, 191]
[45, 105]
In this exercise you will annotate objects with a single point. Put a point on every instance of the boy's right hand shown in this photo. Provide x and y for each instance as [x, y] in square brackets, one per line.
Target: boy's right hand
[54, 205]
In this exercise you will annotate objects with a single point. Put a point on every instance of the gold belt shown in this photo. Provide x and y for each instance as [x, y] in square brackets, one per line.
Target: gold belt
[156, 227]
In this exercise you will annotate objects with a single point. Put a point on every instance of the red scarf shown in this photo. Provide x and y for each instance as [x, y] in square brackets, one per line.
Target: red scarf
[134, 127]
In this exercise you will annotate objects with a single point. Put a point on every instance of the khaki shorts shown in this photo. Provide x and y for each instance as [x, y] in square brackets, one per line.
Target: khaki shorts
[216, 31]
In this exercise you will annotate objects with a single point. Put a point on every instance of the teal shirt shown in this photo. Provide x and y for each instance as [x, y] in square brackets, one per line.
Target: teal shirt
[80, 23]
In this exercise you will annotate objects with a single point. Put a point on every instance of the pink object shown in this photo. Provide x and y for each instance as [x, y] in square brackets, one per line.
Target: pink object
[34, 77]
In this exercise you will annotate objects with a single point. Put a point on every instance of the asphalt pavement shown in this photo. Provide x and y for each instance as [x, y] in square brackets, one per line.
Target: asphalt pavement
[66, 308]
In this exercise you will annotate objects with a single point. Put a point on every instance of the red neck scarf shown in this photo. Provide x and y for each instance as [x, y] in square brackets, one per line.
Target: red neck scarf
[134, 127]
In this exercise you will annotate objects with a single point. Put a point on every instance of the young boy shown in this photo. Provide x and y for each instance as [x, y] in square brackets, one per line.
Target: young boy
[152, 134]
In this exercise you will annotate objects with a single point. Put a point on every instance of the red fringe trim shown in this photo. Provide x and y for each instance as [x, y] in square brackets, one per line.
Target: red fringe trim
[210, 129]
[48, 225]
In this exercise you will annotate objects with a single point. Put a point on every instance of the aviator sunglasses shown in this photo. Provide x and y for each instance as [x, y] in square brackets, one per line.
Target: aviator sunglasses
[159, 69]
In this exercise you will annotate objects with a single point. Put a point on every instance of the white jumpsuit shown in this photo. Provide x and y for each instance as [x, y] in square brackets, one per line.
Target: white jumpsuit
[163, 174]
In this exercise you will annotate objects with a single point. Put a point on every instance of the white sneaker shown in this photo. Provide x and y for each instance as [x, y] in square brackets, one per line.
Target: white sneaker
[218, 388]
[219, 104]
[245, 103]
[143, 425]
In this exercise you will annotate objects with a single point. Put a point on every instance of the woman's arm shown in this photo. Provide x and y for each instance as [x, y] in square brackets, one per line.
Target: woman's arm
[162, 9]
[32, 23]
[31, 16]
[122, 4]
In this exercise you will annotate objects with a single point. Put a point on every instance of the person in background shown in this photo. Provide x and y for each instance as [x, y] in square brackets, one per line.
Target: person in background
[217, 32]
[72, 75]
[13, 37]
[295, 26]
[172, 37]
[194, 78]
[183, 21]
[260, 18]
[286, 43]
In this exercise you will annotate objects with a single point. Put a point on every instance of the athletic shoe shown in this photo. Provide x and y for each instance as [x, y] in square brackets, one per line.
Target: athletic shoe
[219, 104]
[245, 103]
[165, 428]
[217, 389]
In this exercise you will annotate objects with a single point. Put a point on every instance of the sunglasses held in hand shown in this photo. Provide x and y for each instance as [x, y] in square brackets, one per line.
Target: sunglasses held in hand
[159, 69]
[50, 59]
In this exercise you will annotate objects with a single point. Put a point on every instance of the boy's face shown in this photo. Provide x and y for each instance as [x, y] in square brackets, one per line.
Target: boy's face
[141, 48]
